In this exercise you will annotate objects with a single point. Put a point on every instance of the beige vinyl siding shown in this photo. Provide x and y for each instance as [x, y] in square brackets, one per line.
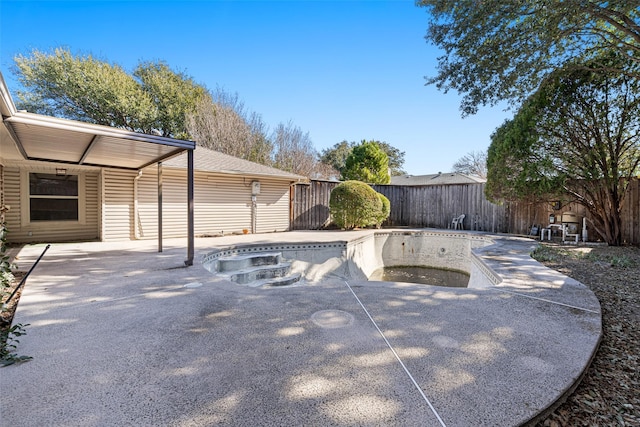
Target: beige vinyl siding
[17, 197]
[174, 204]
[2, 192]
[222, 204]
[117, 204]
[12, 201]
[272, 212]
[148, 203]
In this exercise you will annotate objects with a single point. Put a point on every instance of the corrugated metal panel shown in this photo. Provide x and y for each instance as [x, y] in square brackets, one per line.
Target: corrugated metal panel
[117, 206]
[222, 204]
[63, 231]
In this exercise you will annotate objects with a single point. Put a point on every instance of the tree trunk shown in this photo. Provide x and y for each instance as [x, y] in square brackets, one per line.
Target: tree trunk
[605, 213]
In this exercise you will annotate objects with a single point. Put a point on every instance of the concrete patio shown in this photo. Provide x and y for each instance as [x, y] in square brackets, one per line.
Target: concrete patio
[123, 335]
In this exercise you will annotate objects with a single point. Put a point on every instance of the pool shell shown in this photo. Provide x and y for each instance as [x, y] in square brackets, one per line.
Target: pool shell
[357, 259]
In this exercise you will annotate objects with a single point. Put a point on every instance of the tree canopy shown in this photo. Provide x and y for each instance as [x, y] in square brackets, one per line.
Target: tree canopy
[503, 49]
[152, 99]
[336, 156]
[226, 126]
[174, 94]
[578, 135]
[156, 99]
[367, 163]
[473, 163]
[294, 151]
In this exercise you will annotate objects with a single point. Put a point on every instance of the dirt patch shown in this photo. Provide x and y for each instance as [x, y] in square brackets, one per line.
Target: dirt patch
[608, 395]
[6, 314]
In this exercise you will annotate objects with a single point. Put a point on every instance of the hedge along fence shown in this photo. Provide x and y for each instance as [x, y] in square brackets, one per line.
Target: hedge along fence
[412, 206]
[436, 205]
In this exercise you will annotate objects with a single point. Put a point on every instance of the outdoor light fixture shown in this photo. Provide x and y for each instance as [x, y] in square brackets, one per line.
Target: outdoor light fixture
[61, 171]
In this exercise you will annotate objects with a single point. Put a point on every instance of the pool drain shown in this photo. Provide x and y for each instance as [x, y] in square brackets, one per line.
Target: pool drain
[332, 319]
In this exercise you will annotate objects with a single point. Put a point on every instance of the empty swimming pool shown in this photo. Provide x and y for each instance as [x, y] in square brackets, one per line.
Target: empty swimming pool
[359, 258]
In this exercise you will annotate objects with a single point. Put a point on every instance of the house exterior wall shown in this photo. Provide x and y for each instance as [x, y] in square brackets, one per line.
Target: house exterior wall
[1, 193]
[114, 205]
[16, 196]
[273, 213]
[117, 204]
[222, 204]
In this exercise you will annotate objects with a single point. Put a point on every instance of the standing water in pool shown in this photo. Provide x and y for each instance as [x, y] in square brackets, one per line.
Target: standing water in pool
[422, 275]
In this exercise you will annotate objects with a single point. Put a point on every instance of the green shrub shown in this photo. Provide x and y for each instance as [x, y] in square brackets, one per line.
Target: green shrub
[385, 211]
[354, 204]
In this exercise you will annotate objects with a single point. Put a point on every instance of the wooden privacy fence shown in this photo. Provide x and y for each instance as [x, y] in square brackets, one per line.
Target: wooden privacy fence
[419, 206]
[436, 205]
[521, 216]
[310, 205]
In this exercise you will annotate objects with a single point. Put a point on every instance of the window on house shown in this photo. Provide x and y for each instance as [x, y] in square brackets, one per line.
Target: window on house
[53, 197]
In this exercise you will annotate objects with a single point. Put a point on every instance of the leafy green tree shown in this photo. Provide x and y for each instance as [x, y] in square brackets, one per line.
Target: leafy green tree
[355, 204]
[368, 163]
[336, 156]
[153, 99]
[396, 158]
[516, 168]
[578, 135]
[174, 95]
[83, 88]
[503, 49]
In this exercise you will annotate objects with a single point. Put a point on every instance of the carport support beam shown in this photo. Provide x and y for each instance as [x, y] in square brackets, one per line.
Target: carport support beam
[190, 226]
[159, 206]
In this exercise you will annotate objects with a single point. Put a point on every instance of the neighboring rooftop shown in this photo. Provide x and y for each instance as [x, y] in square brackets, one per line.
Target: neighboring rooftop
[436, 179]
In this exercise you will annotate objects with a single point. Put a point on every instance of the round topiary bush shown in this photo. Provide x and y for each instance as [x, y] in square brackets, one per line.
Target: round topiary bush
[384, 211]
[354, 204]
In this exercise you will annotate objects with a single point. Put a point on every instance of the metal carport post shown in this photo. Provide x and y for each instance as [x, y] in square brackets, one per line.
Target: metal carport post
[190, 226]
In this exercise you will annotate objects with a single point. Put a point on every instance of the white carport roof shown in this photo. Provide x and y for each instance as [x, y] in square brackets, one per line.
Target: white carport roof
[39, 137]
[52, 139]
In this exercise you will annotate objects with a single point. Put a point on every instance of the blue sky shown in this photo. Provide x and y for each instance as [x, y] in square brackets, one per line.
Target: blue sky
[340, 70]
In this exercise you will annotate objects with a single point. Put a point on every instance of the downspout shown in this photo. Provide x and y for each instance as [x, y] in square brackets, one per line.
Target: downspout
[136, 219]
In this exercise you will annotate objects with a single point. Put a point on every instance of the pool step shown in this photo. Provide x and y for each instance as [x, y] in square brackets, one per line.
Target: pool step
[257, 269]
[288, 280]
[239, 262]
